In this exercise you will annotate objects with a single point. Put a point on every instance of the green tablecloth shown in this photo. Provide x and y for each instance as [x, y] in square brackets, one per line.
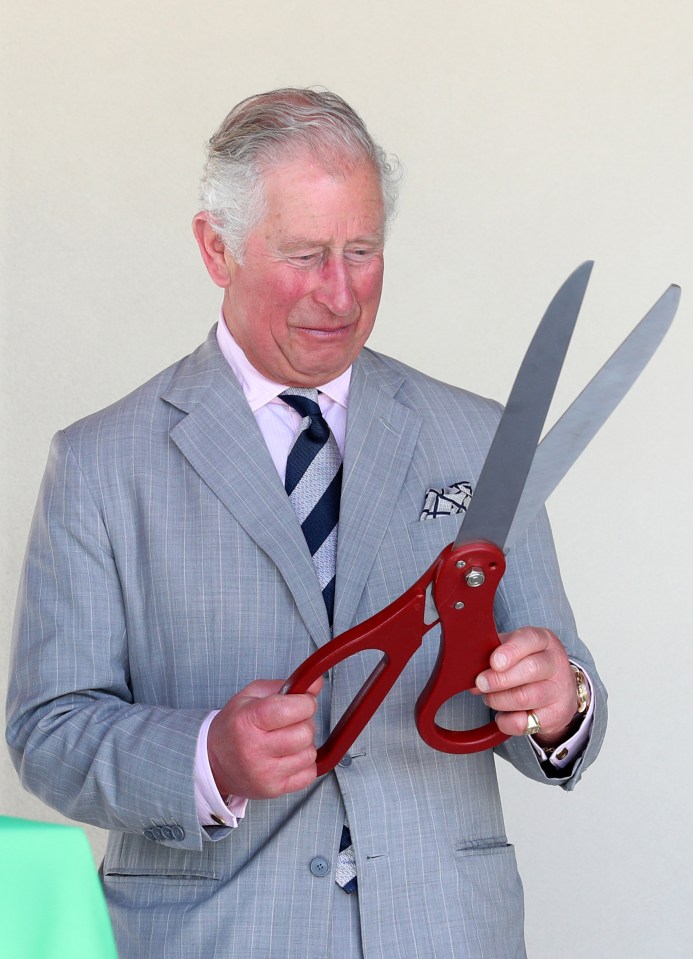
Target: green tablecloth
[51, 903]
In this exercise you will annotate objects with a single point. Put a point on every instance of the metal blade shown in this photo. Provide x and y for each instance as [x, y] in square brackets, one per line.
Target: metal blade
[582, 420]
[504, 473]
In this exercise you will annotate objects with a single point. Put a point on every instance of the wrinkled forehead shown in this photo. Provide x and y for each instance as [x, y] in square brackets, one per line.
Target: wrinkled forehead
[301, 182]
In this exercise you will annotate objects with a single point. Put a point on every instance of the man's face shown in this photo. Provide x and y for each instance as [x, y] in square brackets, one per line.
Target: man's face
[304, 300]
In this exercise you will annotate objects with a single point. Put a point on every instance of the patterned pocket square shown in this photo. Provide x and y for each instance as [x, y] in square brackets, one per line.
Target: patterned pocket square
[446, 502]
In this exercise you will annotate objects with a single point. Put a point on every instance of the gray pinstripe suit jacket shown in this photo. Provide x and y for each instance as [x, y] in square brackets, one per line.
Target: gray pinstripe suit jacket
[165, 570]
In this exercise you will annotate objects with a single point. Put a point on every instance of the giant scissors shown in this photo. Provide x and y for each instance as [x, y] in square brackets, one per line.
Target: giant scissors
[458, 590]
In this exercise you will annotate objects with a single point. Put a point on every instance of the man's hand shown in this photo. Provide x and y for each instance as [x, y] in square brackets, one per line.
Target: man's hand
[261, 744]
[530, 672]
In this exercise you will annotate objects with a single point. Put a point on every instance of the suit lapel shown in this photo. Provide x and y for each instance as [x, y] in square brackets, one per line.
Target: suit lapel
[380, 442]
[222, 442]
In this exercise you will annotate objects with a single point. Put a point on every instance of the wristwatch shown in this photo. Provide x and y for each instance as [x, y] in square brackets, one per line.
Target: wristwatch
[582, 689]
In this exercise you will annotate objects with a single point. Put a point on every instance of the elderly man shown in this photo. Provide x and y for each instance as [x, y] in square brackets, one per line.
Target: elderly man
[176, 574]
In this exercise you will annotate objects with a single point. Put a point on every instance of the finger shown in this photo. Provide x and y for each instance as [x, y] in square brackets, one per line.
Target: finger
[316, 687]
[295, 777]
[264, 688]
[277, 712]
[514, 723]
[532, 669]
[278, 776]
[290, 766]
[517, 645]
[261, 688]
[525, 698]
[552, 696]
[289, 741]
[552, 720]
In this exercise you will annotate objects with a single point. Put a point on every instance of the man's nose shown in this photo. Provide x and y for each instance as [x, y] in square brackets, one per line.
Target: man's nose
[334, 289]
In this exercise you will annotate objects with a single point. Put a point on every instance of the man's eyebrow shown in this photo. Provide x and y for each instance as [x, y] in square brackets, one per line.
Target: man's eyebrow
[299, 243]
[370, 239]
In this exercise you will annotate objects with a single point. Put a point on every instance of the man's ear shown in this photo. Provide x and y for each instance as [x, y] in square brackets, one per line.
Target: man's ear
[214, 253]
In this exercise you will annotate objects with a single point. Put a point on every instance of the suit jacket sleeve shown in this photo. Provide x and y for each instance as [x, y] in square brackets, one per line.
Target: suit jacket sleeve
[76, 736]
[532, 593]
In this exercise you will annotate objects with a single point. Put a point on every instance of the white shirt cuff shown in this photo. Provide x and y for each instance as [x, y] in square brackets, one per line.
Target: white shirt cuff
[212, 810]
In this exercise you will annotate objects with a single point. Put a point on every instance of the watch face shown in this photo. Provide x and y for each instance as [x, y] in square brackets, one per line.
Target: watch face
[583, 693]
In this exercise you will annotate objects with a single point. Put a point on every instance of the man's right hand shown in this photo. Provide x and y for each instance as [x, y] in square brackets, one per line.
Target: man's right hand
[262, 744]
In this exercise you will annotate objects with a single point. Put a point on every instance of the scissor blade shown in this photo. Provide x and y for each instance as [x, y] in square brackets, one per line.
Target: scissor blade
[504, 473]
[582, 420]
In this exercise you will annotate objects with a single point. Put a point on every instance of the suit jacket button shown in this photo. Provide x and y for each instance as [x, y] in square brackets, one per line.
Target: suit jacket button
[167, 832]
[149, 834]
[345, 760]
[157, 834]
[320, 866]
[178, 833]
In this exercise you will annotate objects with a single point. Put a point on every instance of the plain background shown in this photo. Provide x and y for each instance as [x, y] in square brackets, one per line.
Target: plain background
[535, 135]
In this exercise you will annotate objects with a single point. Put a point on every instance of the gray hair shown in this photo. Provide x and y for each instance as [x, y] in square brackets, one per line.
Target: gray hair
[265, 130]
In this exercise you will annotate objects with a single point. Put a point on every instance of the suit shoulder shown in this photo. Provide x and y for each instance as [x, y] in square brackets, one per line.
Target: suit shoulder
[420, 388]
[142, 408]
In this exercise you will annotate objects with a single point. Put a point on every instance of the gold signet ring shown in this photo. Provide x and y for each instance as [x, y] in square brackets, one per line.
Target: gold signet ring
[533, 725]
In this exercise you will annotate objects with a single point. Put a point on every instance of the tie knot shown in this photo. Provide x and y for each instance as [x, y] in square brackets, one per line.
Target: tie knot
[304, 401]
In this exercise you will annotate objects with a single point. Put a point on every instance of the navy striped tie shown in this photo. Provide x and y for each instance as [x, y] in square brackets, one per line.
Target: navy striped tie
[314, 484]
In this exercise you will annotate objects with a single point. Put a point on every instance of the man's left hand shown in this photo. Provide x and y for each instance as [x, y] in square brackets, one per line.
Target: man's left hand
[530, 672]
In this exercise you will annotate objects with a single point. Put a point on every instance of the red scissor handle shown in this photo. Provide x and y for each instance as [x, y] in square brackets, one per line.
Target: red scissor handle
[397, 631]
[464, 589]
[468, 637]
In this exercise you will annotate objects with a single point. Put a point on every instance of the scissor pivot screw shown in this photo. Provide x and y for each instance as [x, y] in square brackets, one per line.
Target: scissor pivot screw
[475, 577]
[460, 564]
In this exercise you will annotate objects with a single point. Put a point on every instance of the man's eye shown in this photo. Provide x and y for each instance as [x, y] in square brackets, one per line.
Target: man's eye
[304, 259]
[359, 254]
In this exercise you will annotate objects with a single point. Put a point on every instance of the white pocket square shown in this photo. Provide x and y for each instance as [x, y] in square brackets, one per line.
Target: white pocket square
[447, 501]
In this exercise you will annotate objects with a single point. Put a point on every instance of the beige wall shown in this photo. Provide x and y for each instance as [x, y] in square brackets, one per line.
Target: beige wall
[535, 134]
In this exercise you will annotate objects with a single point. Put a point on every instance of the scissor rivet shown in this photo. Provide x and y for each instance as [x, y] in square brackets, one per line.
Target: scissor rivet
[459, 605]
[460, 564]
[475, 577]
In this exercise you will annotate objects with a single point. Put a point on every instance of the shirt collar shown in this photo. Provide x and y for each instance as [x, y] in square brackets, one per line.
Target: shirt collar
[258, 390]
